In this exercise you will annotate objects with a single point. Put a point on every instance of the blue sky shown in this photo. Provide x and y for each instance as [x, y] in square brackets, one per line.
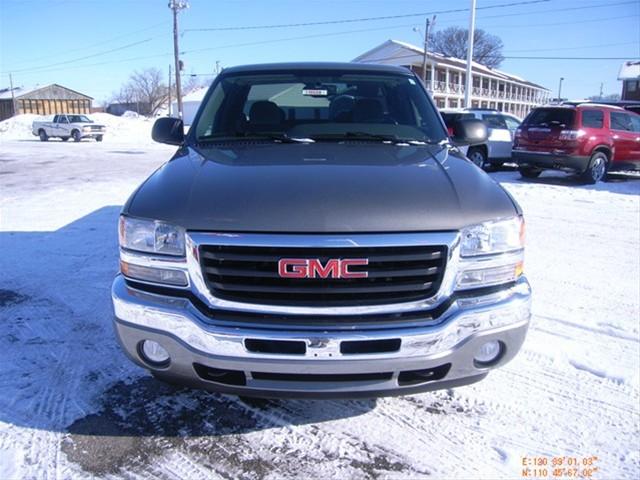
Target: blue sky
[67, 41]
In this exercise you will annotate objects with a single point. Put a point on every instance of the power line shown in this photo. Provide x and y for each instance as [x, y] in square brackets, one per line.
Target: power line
[416, 54]
[108, 62]
[572, 22]
[569, 58]
[299, 37]
[105, 52]
[45, 69]
[89, 47]
[366, 19]
[585, 7]
[555, 49]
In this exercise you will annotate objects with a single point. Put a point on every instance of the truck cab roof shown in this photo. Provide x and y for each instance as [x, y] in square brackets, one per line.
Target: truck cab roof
[329, 66]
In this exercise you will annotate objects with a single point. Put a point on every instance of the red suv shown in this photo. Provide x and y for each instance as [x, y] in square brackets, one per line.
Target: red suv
[588, 139]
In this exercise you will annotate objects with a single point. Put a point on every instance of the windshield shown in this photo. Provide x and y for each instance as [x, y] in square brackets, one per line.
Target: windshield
[79, 119]
[549, 117]
[319, 106]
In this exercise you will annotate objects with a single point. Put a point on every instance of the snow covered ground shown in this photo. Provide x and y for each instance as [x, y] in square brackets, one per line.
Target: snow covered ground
[72, 406]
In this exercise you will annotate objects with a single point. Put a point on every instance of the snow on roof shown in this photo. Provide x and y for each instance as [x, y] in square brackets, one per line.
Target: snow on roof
[629, 71]
[196, 95]
[370, 56]
[18, 91]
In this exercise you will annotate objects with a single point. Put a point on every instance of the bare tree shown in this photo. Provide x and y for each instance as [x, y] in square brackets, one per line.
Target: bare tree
[146, 89]
[193, 82]
[452, 42]
[150, 88]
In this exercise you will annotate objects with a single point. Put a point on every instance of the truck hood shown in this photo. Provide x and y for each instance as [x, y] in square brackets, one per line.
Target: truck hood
[320, 188]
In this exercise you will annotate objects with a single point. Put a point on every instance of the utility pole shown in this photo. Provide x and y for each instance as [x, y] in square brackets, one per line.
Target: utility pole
[428, 25]
[13, 96]
[424, 51]
[469, 80]
[176, 6]
[601, 90]
[170, 90]
[560, 90]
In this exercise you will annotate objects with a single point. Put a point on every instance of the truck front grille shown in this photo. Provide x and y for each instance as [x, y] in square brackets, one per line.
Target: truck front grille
[395, 275]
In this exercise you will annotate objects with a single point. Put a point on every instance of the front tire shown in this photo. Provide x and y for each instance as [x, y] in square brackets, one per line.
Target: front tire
[99, 138]
[597, 169]
[43, 135]
[77, 136]
[528, 172]
[477, 156]
[64, 139]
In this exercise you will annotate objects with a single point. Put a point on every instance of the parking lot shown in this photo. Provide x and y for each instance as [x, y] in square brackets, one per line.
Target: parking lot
[72, 404]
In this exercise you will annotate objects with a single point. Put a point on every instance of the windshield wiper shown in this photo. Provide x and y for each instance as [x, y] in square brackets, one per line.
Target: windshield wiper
[386, 138]
[285, 138]
[278, 137]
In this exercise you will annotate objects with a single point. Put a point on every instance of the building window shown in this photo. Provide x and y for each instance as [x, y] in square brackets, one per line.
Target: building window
[632, 85]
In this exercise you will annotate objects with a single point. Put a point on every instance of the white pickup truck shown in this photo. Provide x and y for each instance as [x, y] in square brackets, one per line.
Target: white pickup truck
[66, 126]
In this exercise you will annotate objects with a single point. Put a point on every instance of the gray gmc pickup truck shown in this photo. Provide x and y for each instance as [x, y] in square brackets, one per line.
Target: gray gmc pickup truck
[318, 234]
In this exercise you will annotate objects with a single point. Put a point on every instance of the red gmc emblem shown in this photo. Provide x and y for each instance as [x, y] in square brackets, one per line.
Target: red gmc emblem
[313, 268]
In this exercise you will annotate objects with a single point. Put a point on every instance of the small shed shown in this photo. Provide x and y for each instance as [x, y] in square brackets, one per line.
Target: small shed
[43, 100]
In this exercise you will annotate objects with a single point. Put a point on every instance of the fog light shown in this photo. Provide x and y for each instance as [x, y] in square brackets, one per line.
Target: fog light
[488, 353]
[153, 353]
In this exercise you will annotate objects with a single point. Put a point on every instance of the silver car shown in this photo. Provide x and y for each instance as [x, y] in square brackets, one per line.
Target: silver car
[501, 126]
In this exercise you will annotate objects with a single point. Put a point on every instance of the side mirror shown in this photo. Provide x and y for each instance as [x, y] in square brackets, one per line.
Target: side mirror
[469, 132]
[168, 130]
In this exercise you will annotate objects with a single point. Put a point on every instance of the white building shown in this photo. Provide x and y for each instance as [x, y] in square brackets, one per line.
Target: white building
[190, 104]
[446, 79]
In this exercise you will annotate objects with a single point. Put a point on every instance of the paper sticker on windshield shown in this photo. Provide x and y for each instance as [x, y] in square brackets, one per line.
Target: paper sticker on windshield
[315, 92]
[412, 81]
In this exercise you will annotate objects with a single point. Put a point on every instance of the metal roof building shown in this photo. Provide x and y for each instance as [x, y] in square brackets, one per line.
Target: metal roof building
[492, 88]
[43, 100]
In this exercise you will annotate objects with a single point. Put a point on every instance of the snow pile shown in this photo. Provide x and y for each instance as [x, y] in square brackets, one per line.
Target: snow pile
[19, 127]
[126, 129]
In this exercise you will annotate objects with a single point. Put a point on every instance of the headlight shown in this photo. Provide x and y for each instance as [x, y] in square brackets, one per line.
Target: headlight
[493, 237]
[492, 253]
[151, 236]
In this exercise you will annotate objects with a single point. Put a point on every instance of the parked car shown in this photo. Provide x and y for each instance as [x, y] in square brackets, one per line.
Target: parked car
[588, 139]
[316, 234]
[631, 105]
[66, 126]
[502, 126]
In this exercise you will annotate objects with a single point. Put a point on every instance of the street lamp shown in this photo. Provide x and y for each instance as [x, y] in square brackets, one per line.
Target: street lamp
[560, 90]
[469, 80]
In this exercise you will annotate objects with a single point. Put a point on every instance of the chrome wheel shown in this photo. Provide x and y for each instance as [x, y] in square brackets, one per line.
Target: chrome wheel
[598, 168]
[477, 158]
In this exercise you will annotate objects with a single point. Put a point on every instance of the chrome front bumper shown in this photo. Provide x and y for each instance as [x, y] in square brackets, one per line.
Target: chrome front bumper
[192, 338]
